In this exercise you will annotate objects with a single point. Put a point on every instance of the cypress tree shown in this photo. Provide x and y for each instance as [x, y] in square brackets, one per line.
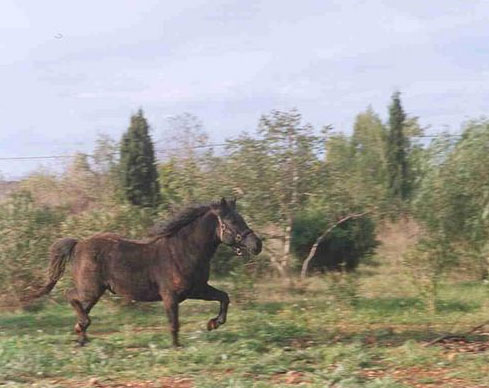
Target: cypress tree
[138, 164]
[397, 151]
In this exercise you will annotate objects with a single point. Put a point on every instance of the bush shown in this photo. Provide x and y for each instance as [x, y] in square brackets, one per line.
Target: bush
[428, 261]
[345, 246]
[26, 232]
[122, 218]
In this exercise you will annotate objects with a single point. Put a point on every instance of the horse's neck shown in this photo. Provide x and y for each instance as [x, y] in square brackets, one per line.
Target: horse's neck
[203, 239]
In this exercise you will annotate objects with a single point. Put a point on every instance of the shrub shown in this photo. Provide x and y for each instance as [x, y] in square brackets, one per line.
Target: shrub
[345, 246]
[26, 232]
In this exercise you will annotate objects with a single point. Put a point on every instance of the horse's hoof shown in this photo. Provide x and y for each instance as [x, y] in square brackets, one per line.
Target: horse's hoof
[212, 324]
[82, 342]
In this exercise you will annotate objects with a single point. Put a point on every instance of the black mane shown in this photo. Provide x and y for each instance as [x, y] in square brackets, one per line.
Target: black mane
[183, 218]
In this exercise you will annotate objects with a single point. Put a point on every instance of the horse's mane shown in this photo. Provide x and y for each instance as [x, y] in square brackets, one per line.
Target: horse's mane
[181, 219]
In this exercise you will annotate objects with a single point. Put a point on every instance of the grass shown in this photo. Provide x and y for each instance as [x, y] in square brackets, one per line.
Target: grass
[282, 338]
[366, 331]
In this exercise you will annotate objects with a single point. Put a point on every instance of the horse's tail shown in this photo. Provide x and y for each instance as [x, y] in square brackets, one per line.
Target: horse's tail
[60, 253]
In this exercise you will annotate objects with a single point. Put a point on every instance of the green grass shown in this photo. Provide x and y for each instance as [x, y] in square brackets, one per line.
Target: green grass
[281, 338]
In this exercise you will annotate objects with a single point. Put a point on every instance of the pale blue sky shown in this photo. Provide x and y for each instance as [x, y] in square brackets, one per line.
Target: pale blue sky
[72, 70]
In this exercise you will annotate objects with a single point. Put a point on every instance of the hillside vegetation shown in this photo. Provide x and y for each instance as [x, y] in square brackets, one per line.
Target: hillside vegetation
[398, 224]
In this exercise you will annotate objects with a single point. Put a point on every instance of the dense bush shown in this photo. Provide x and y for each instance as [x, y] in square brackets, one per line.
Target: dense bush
[345, 246]
[26, 232]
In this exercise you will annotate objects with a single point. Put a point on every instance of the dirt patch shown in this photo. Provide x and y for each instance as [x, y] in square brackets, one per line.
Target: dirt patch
[422, 378]
[165, 382]
[290, 378]
[458, 344]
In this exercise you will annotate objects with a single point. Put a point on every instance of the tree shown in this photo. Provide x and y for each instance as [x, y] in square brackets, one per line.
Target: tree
[186, 173]
[397, 151]
[138, 164]
[105, 154]
[80, 184]
[368, 143]
[274, 174]
[185, 136]
[453, 199]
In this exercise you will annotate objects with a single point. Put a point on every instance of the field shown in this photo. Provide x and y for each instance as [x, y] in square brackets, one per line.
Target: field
[367, 333]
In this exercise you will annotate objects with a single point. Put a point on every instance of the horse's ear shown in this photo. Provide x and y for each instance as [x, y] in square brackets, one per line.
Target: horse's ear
[224, 203]
[232, 203]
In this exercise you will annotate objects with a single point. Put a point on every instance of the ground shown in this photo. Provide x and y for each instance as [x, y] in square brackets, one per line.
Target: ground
[320, 334]
[371, 329]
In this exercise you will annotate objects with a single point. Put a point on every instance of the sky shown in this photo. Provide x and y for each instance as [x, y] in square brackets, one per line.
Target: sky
[71, 71]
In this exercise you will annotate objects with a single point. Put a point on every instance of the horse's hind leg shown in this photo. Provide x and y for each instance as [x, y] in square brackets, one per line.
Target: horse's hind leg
[82, 303]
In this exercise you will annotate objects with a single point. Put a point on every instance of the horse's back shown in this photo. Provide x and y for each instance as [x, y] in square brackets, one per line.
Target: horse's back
[125, 266]
[110, 237]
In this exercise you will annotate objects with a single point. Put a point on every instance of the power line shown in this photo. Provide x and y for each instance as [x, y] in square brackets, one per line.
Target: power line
[37, 157]
[54, 157]
[163, 150]
[435, 136]
[192, 148]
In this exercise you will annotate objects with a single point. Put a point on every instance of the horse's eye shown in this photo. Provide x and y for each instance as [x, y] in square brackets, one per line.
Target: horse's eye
[238, 237]
[223, 226]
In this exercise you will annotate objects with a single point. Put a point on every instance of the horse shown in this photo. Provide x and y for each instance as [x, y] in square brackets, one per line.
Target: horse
[171, 265]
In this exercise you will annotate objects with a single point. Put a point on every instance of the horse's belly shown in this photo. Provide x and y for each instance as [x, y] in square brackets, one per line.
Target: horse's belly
[143, 295]
[137, 288]
[147, 297]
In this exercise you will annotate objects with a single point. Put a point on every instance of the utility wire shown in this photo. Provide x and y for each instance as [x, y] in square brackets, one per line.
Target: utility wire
[37, 157]
[161, 150]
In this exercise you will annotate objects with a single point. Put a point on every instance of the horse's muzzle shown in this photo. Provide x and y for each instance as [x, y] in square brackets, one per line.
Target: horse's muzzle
[253, 244]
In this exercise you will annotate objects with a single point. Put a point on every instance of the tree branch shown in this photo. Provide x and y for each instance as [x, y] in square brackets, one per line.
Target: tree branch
[445, 336]
[320, 239]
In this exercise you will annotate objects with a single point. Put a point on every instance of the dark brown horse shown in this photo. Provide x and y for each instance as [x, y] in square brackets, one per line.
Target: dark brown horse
[172, 265]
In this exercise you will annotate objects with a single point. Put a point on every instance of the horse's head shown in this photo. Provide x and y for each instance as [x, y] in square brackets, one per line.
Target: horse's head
[232, 229]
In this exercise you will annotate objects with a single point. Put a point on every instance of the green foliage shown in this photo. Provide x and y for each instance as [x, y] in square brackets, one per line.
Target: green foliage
[368, 142]
[428, 261]
[189, 180]
[398, 151]
[291, 148]
[368, 161]
[243, 279]
[190, 173]
[343, 287]
[274, 170]
[453, 197]
[347, 186]
[105, 155]
[344, 247]
[273, 174]
[281, 339]
[26, 232]
[138, 164]
[122, 218]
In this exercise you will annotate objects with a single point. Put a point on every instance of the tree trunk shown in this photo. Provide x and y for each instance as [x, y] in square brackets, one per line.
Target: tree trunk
[280, 257]
[286, 245]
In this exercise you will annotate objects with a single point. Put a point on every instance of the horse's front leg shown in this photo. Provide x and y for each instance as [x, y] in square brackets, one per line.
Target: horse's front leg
[210, 293]
[171, 307]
